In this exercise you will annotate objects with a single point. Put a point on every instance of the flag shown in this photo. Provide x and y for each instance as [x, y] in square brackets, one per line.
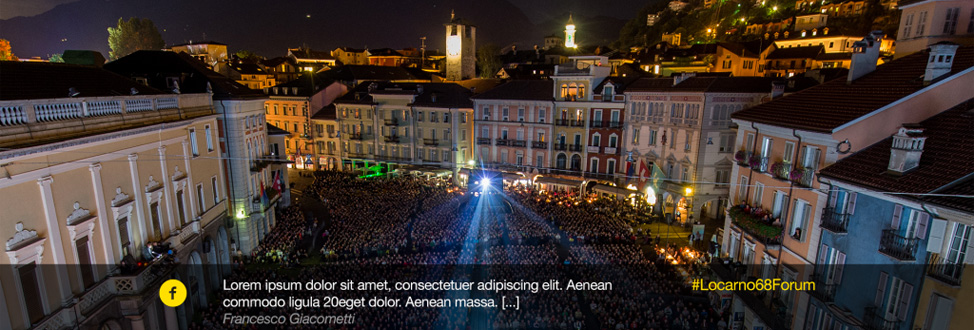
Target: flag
[629, 171]
[277, 182]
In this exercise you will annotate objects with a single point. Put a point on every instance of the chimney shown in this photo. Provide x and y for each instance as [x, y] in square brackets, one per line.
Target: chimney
[941, 58]
[777, 89]
[865, 54]
[907, 147]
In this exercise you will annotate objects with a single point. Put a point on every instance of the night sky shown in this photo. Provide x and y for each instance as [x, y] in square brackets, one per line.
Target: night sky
[44, 27]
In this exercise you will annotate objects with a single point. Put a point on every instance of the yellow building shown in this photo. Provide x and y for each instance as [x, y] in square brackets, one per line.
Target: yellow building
[95, 167]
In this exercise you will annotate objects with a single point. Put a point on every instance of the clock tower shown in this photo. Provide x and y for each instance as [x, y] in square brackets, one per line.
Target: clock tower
[461, 49]
[570, 33]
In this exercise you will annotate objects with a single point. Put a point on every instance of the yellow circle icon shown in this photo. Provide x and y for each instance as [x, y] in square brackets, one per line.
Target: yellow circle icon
[172, 293]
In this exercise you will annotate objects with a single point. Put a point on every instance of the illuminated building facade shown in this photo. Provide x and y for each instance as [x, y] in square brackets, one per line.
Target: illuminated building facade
[461, 49]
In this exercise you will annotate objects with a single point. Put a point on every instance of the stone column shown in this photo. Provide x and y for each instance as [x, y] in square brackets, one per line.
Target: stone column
[54, 232]
[103, 215]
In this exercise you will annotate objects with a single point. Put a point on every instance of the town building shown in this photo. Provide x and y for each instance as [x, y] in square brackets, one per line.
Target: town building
[251, 75]
[310, 60]
[573, 83]
[327, 142]
[845, 8]
[284, 69]
[290, 107]
[924, 23]
[386, 57]
[351, 56]
[354, 75]
[514, 126]
[682, 126]
[96, 167]
[742, 59]
[891, 223]
[210, 53]
[810, 21]
[249, 168]
[774, 228]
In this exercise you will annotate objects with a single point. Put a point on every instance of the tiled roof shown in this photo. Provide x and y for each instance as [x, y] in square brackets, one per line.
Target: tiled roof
[156, 66]
[368, 72]
[326, 113]
[304, 83]
[946, 159]
[540, 90]
[274, 130]
[41, 80]
[384, 52]
[796, 52]
[248, 68]
[358, 95]
[704, 84]
[827, 106]
[276, 61]
[443, 95]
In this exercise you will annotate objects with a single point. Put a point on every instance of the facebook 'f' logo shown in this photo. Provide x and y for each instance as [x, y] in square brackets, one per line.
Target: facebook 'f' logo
[177, 293]
[172, 293]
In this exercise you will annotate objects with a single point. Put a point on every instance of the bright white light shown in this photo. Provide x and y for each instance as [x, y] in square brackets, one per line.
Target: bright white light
[453, 44]
[486, 181]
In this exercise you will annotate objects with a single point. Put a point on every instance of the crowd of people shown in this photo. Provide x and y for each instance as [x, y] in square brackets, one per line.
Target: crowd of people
[417, 229]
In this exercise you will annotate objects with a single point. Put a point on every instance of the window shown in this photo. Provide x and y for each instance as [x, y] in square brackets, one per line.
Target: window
[216, 191]
[900, 294]
[758, 193]
[596, 140]
[463, 135]
[635, 136]
[613, 140]
[209, 138]
[789, 152]
[542, 112]
[433, 117]
[419, 115]
[750, 142]
[742, 189]
[181, 207]
[726, 143]
[921, 23]
[199, 198]
[486, 113]
[687, 146]
[192, 142]
[30, 290]
[950, 22]
[446, 117]
[520, 114]
[504, 134]
[652, 137]
[463, 118]
[672, 139]
[722, 176]
[504, 113]
[810, 157]
[686, 174]
[484, 132]
[766, 144]
[799, 219]
[540, 161]
[594, 165]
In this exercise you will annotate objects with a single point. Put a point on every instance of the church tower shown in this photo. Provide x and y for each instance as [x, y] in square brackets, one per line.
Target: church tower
[570, 33]
[461, 49]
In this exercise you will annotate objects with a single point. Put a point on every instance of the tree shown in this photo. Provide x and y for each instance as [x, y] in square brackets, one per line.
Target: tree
[133, 35]
[248, 56]
[56, 58]
[488, 60]
[6, 54]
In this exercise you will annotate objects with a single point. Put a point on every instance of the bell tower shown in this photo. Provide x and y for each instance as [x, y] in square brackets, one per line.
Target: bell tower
[570, 33]
[461, 49]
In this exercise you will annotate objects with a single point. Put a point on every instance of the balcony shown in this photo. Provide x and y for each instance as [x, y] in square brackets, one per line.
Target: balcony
[834, 221]
[431, 142]
[355, 136]
[519, 143]
[391, 138]
[824, 291]
[265, 161]
[780, 170]
[392, 121]
[592, 149]
[610, 150]
[569, 122]
[896, 246]
[743, 158]
[759, 164]
[575, 147]
[502, 142]
[615, 124]
[945, 271]
[598, 176]
[596, 124]
[757, 223]
[875, 320]
[561, 147]
[802, 176]
[539, 144]
[483, 141]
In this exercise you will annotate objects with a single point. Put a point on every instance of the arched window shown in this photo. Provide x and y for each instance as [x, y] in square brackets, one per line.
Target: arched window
[581, 91]
[576, 162]
[560, 161]
[564, 90]
[573, 90]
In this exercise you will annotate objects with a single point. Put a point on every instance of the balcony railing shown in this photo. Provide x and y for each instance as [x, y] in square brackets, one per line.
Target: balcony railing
[483, 141]
[391, 138]
[392, 121]
[756, 223]
[762, 165]
[561, 147]
[596, 124]
[875, 319]
[610, 150]
[430, 142]
[575, 147]
[780, 170]
[945, 271]
[742, 157]
[834, 221]
[519, 143]
[355, 136]
[896, 246]
[802, 176]
[502, 142]
[597, 175]
[592, 149]
[824, 291]
[569, 122]
[539, 144]
[615, 124]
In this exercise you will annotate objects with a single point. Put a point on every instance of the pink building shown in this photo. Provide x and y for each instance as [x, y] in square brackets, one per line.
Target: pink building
[513, 125]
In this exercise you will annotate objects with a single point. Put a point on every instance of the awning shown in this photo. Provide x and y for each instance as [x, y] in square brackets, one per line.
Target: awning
[512, 177]
[559, 182]
[622, 192]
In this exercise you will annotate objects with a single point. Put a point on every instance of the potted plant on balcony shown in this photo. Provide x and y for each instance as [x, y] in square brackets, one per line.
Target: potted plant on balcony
[751, 219]
[754, 161]
[779, 169]
[796, 174]
[740, 156]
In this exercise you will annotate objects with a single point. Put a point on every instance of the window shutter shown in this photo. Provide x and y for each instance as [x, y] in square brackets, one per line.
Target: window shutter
[852, 203]
[839, 264]
[897, 212]
[938, 228]
[833, 200]
[922, 225]
[881, 290]
[813, 313]
[828, 321]
[906, 292]
[822, 252]
[969, 257]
